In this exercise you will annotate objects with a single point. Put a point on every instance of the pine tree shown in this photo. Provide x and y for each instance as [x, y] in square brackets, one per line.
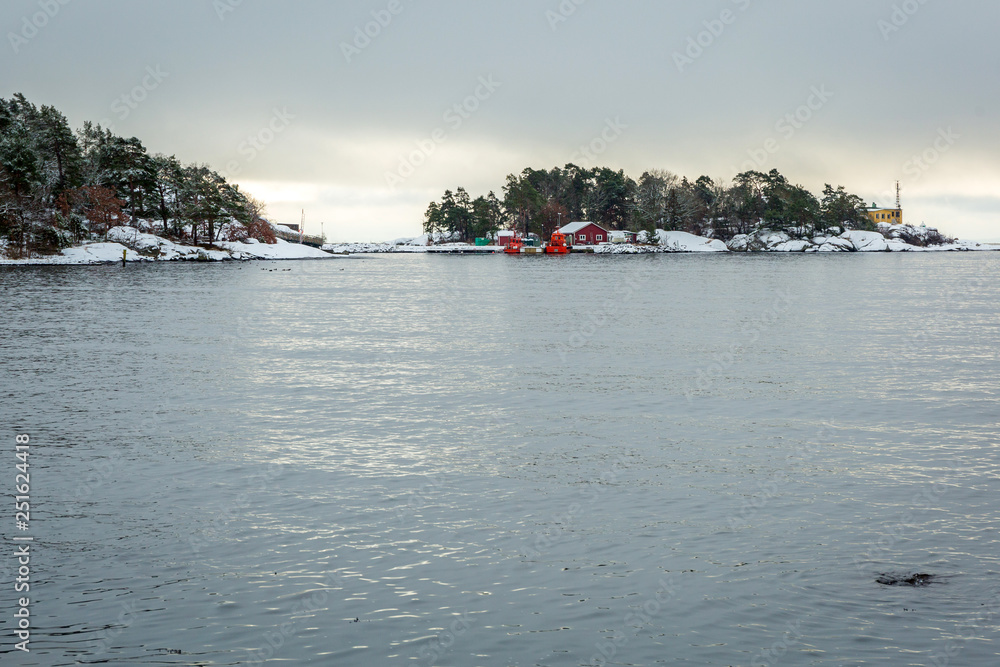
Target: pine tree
[59, 152]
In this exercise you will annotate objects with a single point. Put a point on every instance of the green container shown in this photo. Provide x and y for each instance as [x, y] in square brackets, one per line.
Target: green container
[482, 242]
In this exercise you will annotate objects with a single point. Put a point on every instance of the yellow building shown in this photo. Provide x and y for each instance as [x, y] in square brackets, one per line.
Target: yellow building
[892, 216]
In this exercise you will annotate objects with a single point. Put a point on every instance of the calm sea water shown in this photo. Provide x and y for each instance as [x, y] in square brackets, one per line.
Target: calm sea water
[587, 460]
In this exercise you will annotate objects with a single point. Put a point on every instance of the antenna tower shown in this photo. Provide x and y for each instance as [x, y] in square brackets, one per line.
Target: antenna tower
[899, 205]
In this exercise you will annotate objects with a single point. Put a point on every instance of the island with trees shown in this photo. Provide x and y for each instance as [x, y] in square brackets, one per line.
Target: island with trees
[90, 196]
[754, 212]
[60, 189]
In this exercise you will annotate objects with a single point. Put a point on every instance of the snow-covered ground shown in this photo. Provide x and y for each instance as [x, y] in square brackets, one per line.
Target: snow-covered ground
[358, 248]
[889, 238]
[668, 242]
[281, 250]
[143, 247]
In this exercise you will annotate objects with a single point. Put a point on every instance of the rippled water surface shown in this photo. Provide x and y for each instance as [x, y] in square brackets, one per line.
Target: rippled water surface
[425, 460]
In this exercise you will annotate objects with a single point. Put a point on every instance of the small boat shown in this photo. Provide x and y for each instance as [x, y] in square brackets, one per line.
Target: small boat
[514, 245]
[557, 245]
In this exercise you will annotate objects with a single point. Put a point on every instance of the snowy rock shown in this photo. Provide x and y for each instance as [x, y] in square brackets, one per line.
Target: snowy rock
[153, 246]
[866, 241]
[421, 240]
[771, 240]
[793, 246]
[623, 249]
[963, 246]
[684, 242]
[668, 242]
[144, 247]
[358, 248]
[739, 243]
[895, 245]
[837, 244]
[914, 236]
[96, 253]
[427, 239]
[280, 250]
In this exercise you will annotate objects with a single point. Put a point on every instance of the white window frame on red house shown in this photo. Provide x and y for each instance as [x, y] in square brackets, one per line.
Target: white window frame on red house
[599, 237]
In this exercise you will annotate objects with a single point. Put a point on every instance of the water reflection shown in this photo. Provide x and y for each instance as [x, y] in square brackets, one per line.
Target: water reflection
[387, 460]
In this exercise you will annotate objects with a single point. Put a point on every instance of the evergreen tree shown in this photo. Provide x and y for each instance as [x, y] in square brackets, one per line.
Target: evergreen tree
[610, 200]
[59, 153]
[488, 216]
[841, 209]
[20, 166]
[52, 179]
[523, 202]
[166, 185]
[433, 219]
[673, 217]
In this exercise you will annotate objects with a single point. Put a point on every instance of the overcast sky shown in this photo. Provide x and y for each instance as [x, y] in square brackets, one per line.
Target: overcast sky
[297, 104]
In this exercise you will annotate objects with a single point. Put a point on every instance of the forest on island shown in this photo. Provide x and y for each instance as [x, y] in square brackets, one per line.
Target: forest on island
[538, 201]
[59, 187]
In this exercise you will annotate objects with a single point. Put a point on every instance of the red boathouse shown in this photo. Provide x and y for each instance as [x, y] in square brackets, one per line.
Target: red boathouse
[585, 233]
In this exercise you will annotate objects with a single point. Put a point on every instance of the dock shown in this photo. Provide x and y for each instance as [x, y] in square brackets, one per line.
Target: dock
[495, 250]
[465, 250]
[295, 237]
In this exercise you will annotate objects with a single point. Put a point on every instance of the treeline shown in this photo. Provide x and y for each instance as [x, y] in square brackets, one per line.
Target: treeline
[58, 186]
[539, 201]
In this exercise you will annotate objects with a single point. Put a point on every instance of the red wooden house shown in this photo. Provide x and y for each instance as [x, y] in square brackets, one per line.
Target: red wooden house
[585, 233]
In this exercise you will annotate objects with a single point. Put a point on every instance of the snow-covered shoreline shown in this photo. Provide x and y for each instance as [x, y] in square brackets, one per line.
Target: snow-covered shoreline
[889, 238]
[143, 247]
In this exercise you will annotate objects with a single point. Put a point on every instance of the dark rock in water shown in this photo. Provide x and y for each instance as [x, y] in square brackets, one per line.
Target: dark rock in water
[891, 579]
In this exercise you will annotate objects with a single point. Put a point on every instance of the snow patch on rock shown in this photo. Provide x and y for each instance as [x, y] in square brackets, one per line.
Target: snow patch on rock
[866, 241]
